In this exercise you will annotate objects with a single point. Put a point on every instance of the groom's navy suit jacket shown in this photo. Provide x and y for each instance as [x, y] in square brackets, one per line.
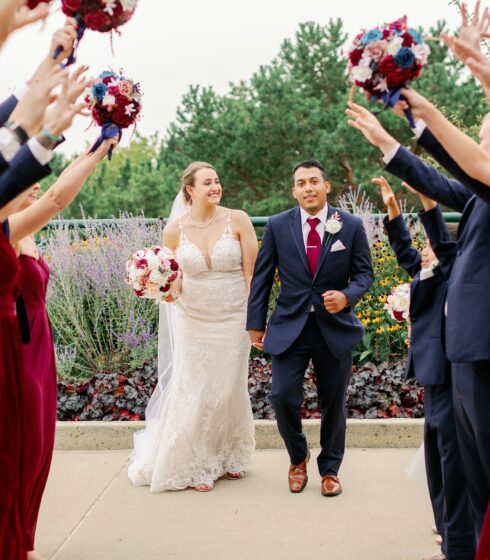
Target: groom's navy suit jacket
[426, 359]
[348, 270]
[467, 330]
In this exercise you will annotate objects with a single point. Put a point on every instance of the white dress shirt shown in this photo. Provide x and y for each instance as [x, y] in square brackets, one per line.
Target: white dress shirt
[320, 228]
[9, 144]
[418, 130]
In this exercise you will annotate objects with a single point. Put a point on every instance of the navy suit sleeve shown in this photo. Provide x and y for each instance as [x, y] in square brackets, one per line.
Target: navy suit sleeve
[443, 246]
[361, 267]
[427, 180]
[262, 281]
[399, 237]
[3, 164]
[23, 171]
[6, 108]
[430, 143]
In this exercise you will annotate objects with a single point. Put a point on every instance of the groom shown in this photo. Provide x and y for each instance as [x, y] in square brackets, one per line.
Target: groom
[324, 264]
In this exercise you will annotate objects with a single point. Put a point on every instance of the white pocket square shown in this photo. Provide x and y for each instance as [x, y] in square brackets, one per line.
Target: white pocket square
[337, 246]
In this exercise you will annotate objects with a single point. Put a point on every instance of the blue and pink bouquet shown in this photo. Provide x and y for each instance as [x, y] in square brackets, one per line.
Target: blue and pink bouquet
[385, 59]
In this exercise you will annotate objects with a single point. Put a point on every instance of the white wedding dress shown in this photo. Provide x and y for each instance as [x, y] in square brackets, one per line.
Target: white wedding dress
[205, 426]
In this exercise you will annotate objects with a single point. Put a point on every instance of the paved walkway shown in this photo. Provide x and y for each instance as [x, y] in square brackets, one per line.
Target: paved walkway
[91, 511]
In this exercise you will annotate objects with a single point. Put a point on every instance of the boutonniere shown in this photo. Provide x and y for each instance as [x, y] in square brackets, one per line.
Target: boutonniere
[334, 224]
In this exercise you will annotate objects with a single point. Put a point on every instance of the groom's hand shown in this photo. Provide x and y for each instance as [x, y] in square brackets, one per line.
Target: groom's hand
[257, 338]
[335, 301]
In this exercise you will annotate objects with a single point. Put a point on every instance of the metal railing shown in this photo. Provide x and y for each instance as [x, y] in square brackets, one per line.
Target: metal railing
[257, 221]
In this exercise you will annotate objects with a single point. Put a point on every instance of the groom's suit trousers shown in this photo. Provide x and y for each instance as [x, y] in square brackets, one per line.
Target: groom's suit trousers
[332, 378]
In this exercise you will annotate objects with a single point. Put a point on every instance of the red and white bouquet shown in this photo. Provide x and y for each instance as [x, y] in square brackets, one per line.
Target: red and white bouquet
[100, 15]
[115, 103]
[398, 303]
[152, 273]
[385, 59]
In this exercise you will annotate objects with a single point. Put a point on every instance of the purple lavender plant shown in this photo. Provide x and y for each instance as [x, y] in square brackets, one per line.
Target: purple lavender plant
[92, 310]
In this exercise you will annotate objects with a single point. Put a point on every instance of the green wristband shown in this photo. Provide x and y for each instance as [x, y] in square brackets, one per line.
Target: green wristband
[52, 136]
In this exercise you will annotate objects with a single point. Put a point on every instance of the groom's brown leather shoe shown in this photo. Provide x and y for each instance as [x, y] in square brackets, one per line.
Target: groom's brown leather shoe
[331, 485]
[297, 476]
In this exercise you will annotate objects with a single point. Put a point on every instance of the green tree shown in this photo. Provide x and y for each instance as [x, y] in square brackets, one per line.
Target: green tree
[289, 110]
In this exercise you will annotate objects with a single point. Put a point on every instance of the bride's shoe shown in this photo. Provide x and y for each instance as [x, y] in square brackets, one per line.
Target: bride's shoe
[235, 475]
[205, 487]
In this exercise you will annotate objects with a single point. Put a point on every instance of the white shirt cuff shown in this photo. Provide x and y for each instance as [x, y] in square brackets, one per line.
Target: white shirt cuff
[426, 273]
[419, 128]
[42, 154]
[19, 92]
[9, 145]
[390, 155]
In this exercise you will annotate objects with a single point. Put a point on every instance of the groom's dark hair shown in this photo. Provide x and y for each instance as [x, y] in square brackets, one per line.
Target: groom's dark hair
[308, 163]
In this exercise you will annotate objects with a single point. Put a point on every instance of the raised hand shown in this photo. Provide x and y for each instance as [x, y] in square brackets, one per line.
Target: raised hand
[418, 103]
[60, 115]
[77, 83]
[14, 15]
[427, 202]
[474, 28]
[25, 16]
[371, 128]
[64, 37]
[387, 193]
[29, 112]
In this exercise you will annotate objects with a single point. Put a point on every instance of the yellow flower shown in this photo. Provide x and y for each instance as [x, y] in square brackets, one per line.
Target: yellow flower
[380, 330]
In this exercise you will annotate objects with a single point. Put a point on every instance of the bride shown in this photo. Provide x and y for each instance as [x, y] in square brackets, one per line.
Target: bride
[199, 423]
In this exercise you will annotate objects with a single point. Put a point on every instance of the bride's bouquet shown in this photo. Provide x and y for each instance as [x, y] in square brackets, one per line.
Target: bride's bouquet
[387, 58]
[398, 303]
[152, 273]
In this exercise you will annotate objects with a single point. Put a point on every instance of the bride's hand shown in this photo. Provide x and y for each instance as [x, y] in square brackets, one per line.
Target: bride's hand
[176, 290]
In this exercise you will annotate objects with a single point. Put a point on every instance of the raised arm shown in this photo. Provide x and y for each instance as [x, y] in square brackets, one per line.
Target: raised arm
[473, 159]
[58, 197]
[398, 235]
[406, 165]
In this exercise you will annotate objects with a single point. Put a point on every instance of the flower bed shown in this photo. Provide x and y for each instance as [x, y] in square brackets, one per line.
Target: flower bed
[374, 392]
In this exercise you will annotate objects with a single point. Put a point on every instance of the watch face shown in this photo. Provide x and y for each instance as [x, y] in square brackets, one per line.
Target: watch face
[19, 132]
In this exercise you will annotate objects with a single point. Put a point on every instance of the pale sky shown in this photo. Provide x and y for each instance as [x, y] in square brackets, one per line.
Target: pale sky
[169, 45]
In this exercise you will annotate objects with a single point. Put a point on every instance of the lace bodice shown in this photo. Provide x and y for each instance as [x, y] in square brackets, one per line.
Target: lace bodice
[226, 255]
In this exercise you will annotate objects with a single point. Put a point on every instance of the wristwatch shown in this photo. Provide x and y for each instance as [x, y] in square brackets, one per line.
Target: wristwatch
[19, 132]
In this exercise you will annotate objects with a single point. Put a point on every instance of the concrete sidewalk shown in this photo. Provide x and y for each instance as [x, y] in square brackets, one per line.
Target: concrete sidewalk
[91, 511]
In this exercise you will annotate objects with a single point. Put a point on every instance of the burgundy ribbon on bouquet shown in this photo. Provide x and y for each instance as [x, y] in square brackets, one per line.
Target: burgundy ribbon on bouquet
[81, 27]
[109, 130]
[391, 98]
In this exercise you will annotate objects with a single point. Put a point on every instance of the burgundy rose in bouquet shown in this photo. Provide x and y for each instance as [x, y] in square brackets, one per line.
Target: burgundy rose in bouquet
[115, 104]
[31, 4]
[385, 59]
[98, 15]
[398, 303]
[152, 274]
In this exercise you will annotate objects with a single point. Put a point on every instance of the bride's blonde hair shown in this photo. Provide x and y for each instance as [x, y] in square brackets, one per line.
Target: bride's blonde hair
[189, 176]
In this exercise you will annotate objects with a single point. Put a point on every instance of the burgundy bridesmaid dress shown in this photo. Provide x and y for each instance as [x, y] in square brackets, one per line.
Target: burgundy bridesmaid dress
[484, 545]
[39, 392]
[12, 540]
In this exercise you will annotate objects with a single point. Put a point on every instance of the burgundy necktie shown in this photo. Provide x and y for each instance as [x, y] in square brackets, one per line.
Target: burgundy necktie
[313, 244]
